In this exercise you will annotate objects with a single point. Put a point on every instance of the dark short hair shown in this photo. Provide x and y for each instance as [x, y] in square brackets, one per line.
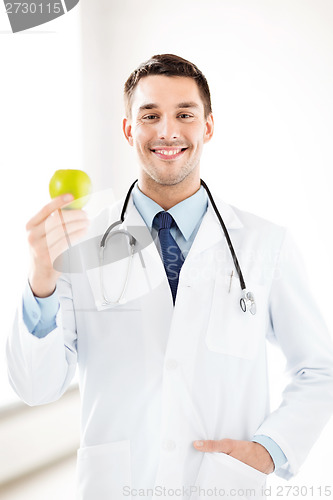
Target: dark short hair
[167, 65]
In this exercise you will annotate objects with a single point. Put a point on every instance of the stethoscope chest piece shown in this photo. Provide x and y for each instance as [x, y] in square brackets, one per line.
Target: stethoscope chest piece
[248, 303]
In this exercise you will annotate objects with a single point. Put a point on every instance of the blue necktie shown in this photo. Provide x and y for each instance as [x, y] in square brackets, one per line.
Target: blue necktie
[172, 256]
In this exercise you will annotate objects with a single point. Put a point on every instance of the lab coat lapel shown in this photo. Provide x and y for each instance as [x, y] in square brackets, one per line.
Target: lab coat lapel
[210, 232]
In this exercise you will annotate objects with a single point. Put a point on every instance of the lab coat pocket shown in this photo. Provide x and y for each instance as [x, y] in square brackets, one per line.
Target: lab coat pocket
[104, 471]
[229, 478]
[231, 330]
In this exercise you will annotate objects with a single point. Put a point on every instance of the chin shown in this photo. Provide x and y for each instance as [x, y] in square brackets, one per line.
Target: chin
[168, 179]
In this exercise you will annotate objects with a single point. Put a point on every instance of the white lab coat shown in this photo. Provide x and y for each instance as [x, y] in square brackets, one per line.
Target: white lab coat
[154, 377]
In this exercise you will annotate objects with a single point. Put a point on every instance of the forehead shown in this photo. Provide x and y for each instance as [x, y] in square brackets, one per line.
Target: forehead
[165, 92]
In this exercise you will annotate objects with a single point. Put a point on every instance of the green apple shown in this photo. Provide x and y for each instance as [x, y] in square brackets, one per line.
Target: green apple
[76, 182]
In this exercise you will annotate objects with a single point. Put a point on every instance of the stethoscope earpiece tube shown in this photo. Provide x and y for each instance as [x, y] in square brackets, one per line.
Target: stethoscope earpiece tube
[122, 216]
[247, 302]
[226, 234]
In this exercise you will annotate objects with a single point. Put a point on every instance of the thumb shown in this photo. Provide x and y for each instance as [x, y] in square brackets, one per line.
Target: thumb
[221, 446]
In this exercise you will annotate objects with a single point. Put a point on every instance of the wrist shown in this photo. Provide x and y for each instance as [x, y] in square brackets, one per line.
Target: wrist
[266, 458]
[43, 282]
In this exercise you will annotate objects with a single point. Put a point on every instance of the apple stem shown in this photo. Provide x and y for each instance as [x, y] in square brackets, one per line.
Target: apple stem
[64, 228]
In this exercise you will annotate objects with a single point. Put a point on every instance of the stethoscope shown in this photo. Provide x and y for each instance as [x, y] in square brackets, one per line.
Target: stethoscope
[247, 301]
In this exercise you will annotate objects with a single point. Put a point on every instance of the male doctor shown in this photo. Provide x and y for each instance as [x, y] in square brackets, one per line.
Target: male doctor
[175, 393]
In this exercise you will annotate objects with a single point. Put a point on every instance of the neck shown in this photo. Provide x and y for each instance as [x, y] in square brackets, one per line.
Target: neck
[168, 196]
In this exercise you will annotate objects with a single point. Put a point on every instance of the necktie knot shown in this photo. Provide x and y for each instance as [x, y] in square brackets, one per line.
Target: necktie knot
[164, 220]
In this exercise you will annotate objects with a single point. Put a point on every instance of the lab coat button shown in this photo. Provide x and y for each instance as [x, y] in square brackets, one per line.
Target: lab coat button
[169, 445]
[171, 364]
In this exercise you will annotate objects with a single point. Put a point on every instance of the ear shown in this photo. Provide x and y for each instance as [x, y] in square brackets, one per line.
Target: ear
[127, 129]
[209, 128]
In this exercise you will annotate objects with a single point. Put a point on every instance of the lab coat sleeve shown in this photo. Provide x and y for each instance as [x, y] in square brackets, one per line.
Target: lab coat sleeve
[41, 369]
[298, 328]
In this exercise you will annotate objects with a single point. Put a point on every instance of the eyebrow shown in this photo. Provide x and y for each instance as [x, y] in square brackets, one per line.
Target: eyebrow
[189, 104]
[152, 105]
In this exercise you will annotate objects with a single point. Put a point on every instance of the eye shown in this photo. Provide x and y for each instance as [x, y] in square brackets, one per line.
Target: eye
[149, 117]
[185, 115]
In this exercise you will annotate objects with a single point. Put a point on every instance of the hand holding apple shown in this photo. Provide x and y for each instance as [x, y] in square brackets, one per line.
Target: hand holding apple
[53, 230]
[49, 232]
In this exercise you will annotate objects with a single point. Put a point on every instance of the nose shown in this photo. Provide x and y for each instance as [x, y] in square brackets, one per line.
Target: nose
[168, 128]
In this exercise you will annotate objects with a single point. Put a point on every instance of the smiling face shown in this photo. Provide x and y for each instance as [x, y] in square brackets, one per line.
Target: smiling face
[168, 129]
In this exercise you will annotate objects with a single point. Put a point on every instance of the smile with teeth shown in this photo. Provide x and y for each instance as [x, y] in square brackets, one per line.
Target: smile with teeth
[169, 153]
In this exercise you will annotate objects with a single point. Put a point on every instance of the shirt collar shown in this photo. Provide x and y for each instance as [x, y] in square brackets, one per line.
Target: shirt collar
[186, 213]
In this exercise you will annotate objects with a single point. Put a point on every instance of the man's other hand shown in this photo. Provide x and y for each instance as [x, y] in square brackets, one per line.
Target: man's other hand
[253, 454]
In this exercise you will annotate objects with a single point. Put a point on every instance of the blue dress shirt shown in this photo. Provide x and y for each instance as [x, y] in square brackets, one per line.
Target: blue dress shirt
[39, 314]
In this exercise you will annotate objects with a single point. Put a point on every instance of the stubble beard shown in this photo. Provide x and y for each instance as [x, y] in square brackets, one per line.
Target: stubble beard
[151, 171]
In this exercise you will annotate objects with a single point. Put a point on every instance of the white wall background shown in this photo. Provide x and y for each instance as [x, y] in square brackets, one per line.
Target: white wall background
[270, 68]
